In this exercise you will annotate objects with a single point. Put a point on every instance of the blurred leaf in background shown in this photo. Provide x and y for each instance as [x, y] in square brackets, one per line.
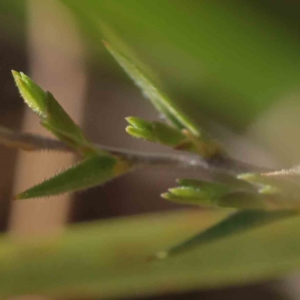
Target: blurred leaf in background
[229, 59]
[12, 17]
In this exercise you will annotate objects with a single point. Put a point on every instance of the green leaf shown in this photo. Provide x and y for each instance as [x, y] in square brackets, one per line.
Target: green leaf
[88, 173]
[165, 134]
[161, 102]
[282, 187]
[206, 146]
[53, 117]
[110, 259]
[238, 222]
[200, 193]
[187, 195]
[209, 54]
[32, 94]
[158, 132]
[197, 192]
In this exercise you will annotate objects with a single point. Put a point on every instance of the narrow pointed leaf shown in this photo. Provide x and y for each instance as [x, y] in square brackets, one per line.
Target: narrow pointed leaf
[32, 94]
[159, 132]
[60, 121]
[165, 134]
[53, 117]
[227, 182]
[197, 192]
[238, 222]
[187, 195]
[161, 102]
[88, 173]
[200, 193]
[206, 146]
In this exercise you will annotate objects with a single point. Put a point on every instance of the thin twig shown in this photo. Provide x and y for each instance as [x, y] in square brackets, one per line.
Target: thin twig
[221, 164]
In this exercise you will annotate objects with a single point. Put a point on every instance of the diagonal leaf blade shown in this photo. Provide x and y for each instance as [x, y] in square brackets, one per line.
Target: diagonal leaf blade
[88, 173]
[215, 194]
[161, 102]
[53, 116]
[206, 146]
[88, 260]
[238, 222]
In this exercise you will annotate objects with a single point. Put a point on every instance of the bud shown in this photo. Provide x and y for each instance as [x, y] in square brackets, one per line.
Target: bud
[32, 94]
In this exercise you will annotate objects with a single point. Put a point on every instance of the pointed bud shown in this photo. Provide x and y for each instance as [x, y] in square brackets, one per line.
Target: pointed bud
[32, 94]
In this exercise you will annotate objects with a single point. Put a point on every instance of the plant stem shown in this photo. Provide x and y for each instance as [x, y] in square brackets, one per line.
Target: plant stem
[221, 164]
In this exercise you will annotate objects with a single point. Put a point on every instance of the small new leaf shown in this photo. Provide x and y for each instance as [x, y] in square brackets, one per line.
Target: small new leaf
[53, 117]
[161, 102]
[206, 146]
[159, 132]
[165, 134]
[32, 94]
[197, 192]
[192, 191]
[88, 173]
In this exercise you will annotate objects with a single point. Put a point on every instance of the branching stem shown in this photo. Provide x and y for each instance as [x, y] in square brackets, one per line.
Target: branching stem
[221, 164]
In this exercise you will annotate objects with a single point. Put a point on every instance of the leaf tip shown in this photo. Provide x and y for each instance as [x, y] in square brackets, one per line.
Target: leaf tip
[141, 133]
[166, 196]
[20, 196]
[32, 94]
[130, 120]
[15, 73]
[130, 130]
[249, 177]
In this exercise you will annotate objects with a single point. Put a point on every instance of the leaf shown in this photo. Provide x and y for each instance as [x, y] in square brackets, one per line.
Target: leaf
[201, 193]
[88, 173]
[207, 54]
[238, 222]
[53, 117]
[159, 132]
[282, 187]
[32, 94]
[206, 146]
[197, 192]
[165, 134]
[161, 102]
[110, 259]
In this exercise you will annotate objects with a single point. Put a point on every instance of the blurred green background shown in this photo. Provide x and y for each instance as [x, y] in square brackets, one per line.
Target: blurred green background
[229, 59]
[229, 62]
[233, 66]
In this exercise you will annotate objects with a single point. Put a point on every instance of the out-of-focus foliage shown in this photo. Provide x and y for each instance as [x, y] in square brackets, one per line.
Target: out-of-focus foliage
[229, 59]
[232, 59]
[113, 258]
[12, 14]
